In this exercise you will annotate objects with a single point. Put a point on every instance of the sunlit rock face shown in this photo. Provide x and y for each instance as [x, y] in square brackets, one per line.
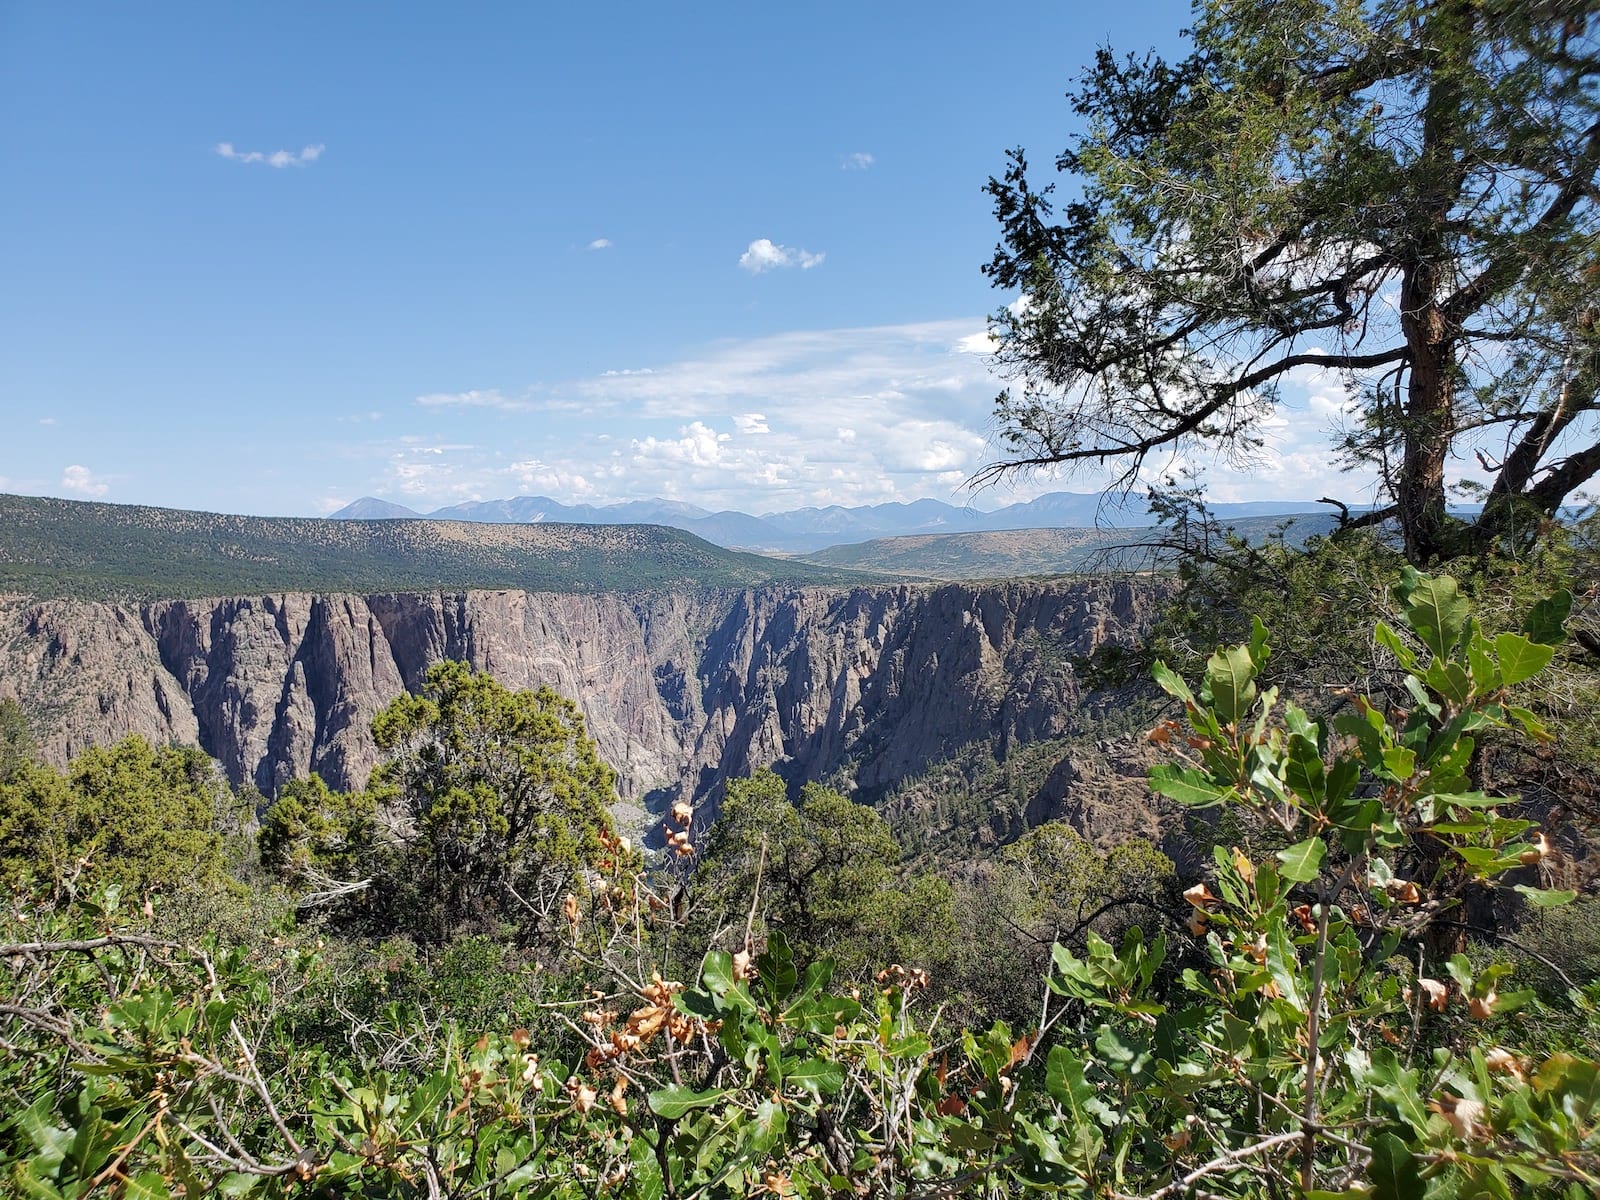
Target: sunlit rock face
[681, 691]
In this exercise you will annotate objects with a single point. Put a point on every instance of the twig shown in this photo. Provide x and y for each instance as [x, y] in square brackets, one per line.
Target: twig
[755, 896]
[1221, 1162]
[1308, 1149]
[9, 949]
[1514, 944]
[115, 1166]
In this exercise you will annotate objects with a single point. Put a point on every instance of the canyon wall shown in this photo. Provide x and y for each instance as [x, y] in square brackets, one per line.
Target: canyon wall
[865, 686]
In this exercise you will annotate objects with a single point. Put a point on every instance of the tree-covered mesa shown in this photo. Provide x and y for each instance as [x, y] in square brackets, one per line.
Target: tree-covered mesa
[1304, 1019]
[1402, 192]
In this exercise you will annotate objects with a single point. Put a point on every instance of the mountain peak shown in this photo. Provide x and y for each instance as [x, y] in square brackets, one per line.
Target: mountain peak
[370, 508]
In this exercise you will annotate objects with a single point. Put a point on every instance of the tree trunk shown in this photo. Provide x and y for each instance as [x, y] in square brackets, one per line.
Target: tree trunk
[1429, 416]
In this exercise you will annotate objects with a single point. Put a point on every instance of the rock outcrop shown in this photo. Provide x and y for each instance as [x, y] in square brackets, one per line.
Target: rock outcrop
[680, 690]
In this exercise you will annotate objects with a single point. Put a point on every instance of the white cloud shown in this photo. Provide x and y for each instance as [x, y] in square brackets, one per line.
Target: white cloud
[81, 481]
[47, 420]
[438, 472]
[764, 254]
[534, 476]
[982, 342]
[600, 244]
[859, 161]
[934, 446]
[475, 398]
[698, 446]
[276, 158]
[815, 417]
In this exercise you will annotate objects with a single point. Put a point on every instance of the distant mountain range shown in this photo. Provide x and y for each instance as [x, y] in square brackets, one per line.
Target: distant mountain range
[1011, 553]
[806, 530]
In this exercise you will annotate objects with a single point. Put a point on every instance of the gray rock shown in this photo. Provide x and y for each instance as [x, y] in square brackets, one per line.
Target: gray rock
[681, 691]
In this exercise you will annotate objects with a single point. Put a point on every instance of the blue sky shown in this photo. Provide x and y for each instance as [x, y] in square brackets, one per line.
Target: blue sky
[269, 258]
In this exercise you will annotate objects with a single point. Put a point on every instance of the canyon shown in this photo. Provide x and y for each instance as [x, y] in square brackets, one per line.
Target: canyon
[681, 689]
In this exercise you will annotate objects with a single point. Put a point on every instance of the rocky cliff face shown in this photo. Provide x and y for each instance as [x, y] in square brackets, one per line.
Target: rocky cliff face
[680, 691]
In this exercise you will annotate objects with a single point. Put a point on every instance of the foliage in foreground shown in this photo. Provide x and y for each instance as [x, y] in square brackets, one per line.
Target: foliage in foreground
[1317, 1034]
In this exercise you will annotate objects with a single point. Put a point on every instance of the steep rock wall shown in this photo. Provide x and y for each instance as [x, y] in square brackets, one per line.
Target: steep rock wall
[681, 691]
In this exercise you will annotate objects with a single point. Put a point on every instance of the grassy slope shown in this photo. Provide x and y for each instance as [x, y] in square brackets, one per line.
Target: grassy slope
[71, 548]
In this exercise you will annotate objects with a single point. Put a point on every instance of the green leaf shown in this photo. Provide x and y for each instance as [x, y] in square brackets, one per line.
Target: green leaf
[33, 1187]
[1304, 771]
[1434, 608]
[817, 1077]
[1259, 650]
[1230, 683]
[1531, 725]
[1520, 657]
[50, 1141]
[1394, 1171]
[1575, 1080]
[1064, 1080]
[1391, 640]
[1284, 965]
[148, 1186]
[424, 1100]
[1544, 897]
[1508, 1002]
[1397, 1086]
[1343, 776]
[1303, 860]
[1187, 785]
[1400, 762]
[1485, 672]
[775, 966]
[717, 974]
[674, 1101]
[1171, 682]
[765, 1129]
[1546, 618]
[1447, 679]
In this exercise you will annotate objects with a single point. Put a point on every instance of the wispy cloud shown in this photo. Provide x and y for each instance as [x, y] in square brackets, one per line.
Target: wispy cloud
[600, 244]
[756, 424]
[475, 398]
[275, 158]
[859, 161]
[815, 417]
[81, 481]
[763, 254]
[47, 420]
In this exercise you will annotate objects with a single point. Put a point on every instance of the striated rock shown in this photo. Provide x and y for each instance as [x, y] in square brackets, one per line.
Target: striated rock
[681, 691]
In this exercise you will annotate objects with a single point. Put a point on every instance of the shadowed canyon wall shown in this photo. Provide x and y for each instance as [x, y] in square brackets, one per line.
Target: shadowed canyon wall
[681, 691]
